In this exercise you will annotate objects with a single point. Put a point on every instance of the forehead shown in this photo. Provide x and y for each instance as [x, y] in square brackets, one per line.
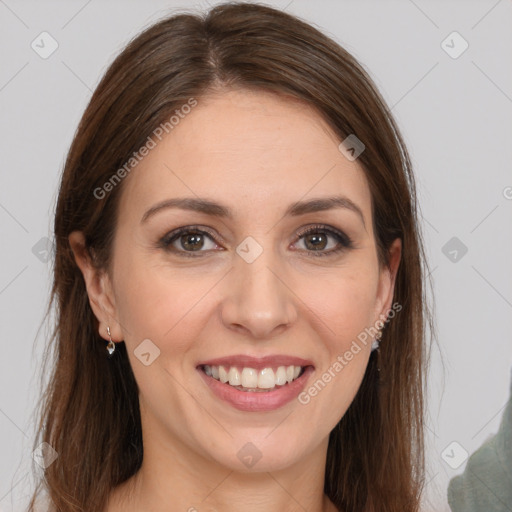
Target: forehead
[250, 149]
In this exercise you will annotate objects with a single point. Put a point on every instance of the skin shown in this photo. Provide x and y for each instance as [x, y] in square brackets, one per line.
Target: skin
[256, 153]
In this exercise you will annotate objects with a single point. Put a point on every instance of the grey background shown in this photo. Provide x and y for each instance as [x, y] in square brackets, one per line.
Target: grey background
[455, 115]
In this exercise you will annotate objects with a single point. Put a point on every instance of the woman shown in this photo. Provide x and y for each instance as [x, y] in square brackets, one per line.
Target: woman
[238, 281]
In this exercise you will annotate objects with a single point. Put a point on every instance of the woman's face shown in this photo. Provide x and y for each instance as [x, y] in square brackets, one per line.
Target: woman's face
[246, 283]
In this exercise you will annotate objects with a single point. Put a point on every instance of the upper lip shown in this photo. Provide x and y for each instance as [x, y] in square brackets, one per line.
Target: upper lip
[258, 363]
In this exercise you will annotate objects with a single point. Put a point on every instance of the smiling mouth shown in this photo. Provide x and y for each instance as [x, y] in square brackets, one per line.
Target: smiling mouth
[254, 381]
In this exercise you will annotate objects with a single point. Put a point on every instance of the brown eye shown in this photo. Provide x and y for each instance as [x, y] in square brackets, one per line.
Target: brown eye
[189, 240]
[323, 241]
[316, 241]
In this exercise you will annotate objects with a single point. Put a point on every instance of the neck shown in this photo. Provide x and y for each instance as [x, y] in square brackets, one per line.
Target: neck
[173, 474]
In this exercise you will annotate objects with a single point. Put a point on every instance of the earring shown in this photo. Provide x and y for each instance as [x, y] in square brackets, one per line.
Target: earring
[376, 342]
[111, 345]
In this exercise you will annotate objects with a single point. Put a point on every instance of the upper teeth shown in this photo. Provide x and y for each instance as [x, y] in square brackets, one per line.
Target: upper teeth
[267, 378]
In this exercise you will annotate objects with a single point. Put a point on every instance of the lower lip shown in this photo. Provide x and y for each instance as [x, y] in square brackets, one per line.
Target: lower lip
[257, 401]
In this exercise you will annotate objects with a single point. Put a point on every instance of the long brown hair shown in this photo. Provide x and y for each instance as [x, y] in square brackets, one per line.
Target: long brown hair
[90, 411]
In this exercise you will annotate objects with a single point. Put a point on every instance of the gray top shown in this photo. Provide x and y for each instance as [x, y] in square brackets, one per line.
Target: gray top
[486, 484]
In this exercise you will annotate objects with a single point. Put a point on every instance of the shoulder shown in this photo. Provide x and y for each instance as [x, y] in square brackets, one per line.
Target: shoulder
[486, 483]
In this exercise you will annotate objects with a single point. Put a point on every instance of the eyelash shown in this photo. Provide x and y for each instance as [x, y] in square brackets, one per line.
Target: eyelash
[344, 241]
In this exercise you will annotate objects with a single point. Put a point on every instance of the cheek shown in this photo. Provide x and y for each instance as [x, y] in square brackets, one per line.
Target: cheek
[344, 306]
[344, 301]
[160, 303]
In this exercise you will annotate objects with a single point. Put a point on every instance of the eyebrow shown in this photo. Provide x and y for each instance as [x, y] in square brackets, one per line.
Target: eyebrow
[212, 208]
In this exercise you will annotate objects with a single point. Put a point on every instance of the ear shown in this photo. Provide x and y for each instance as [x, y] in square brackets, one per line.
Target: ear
[387, 279]
[99, 289]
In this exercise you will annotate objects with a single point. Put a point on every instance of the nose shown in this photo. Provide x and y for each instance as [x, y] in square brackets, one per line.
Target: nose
[258, 301]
